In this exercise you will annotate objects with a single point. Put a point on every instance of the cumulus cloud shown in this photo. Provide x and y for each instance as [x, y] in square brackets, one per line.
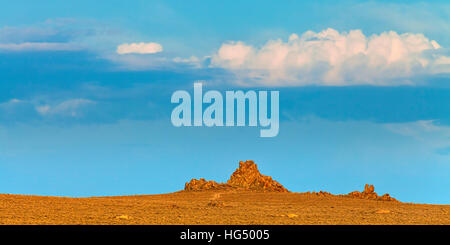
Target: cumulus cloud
[139, 48]
[330, 57]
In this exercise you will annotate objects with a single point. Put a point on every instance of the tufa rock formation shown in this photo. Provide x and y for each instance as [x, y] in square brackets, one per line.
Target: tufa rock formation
[202, 184]
[369, 193]
[247, 176]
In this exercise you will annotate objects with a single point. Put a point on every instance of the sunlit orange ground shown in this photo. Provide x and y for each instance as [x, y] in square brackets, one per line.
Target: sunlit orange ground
[216, 207]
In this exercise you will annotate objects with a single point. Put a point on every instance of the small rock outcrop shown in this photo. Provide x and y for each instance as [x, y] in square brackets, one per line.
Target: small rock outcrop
[320, 194]
[202, 184]
[369, 193]
[247, 176]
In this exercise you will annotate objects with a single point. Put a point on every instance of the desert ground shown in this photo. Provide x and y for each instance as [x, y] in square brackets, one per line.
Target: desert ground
[247, 198]
[216, 207]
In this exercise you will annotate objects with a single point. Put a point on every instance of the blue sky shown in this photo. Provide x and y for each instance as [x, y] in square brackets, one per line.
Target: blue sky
[364, 95]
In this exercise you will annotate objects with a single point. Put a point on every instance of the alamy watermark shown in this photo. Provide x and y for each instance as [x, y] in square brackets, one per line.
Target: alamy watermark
[213, 115]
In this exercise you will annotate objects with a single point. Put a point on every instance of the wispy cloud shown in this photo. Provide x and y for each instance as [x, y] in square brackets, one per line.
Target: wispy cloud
[139, 48]
[429, 17]
[64, 34]
[31, 108]
[69, 107]
[10, 103]
[430, 134]
[38, 46]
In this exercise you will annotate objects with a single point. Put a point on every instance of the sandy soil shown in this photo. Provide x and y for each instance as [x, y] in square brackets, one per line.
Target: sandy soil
[216, 207]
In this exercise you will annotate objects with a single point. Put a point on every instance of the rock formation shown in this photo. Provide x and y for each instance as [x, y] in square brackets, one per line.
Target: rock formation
[202, 184]
[247, 176]
[369, 193]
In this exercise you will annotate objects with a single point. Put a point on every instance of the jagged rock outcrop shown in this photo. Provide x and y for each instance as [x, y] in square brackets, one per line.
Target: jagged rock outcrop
[369, 193]
[202, 184]
[247, 176]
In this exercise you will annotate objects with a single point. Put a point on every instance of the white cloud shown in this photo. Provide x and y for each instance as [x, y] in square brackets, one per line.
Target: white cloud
[427, 132]
[139, 62]
[38, 46]
[333, 58]
[67, 108]
[192, 61]
[414, 129]
[11, 102]
[139, 48]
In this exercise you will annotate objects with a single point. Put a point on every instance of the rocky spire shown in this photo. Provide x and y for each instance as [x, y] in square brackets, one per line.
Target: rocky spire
[247, 177]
